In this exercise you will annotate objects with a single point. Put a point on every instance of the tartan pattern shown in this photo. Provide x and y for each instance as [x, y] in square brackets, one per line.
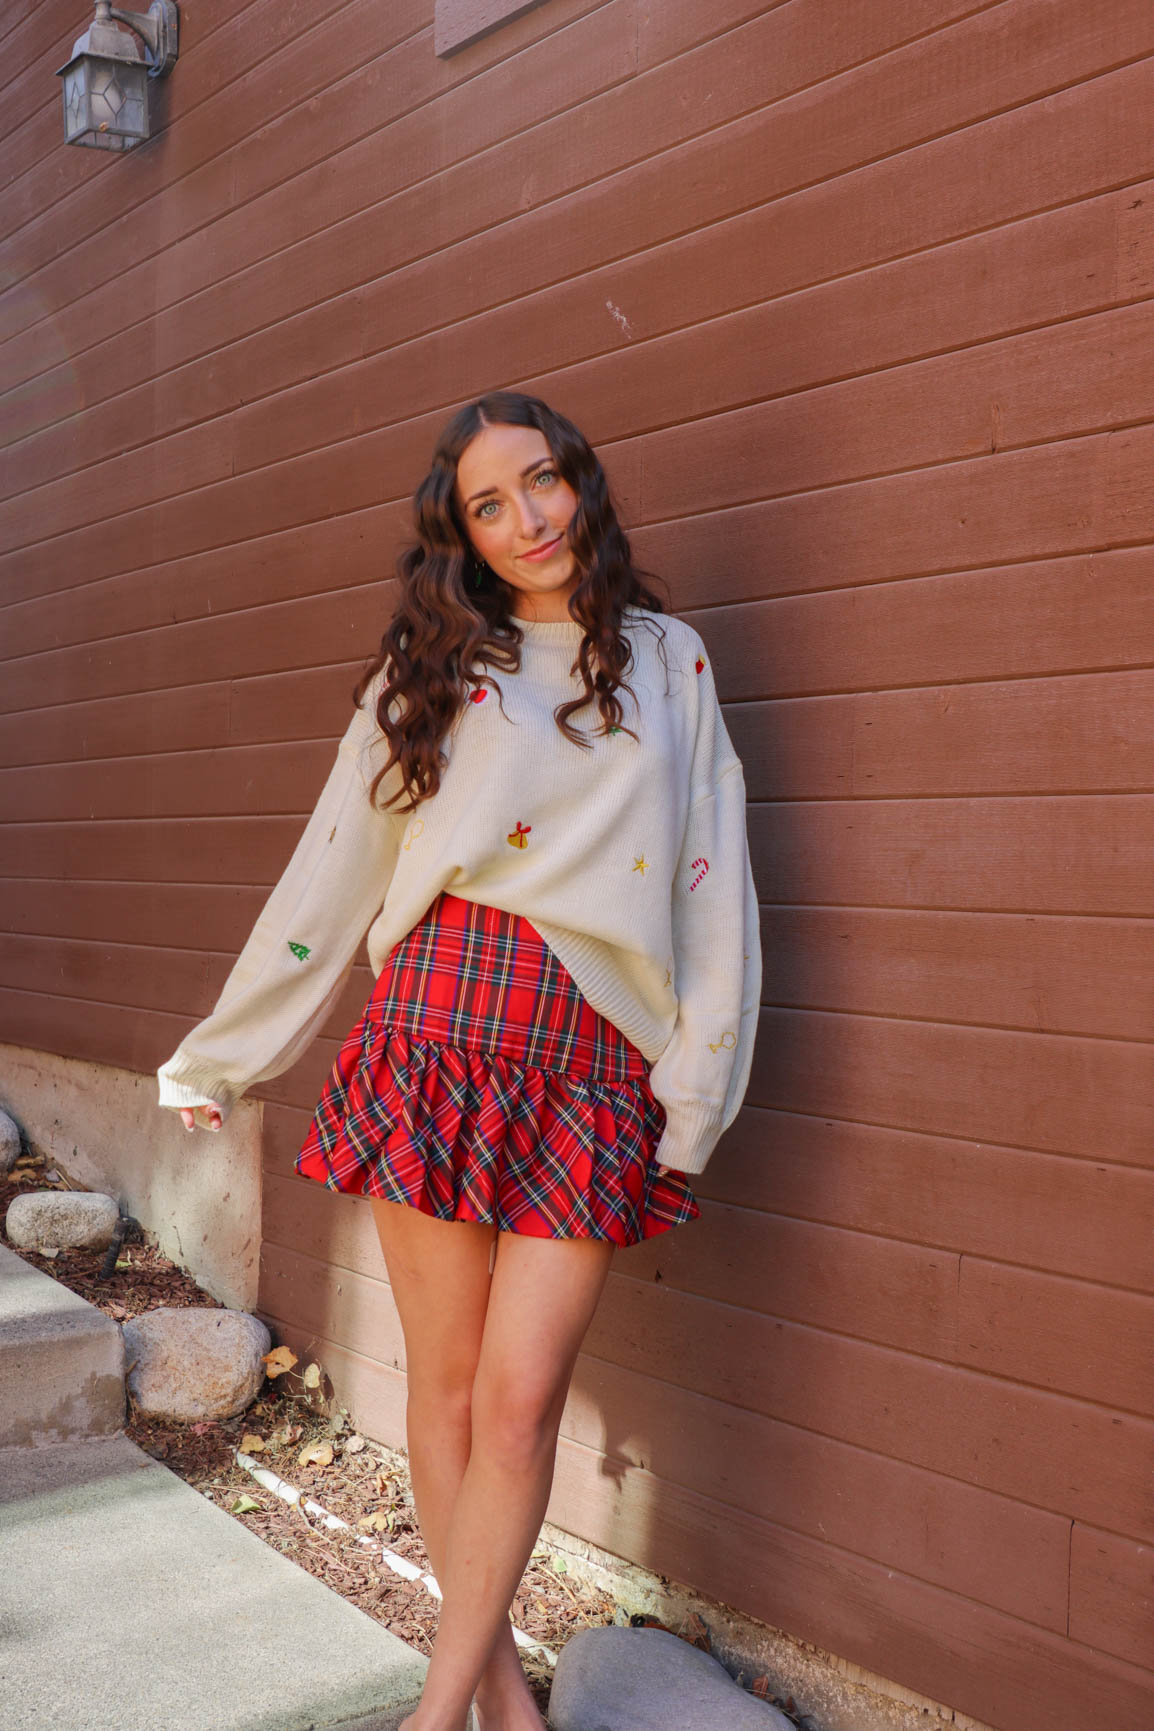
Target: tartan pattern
[478, 1084]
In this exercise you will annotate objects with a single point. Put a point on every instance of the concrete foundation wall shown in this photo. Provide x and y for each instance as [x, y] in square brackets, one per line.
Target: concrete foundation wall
[102, 1128]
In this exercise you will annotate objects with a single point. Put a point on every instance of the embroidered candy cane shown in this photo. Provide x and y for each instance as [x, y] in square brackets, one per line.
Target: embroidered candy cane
[704, 863]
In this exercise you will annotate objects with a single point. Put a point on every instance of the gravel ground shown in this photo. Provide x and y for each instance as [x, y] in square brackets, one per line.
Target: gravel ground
[358, 1480]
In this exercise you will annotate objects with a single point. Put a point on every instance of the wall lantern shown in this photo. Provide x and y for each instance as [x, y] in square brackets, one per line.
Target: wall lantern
[106, 81]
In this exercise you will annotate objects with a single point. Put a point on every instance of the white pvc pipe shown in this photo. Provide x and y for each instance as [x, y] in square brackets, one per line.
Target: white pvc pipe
[399, 1565]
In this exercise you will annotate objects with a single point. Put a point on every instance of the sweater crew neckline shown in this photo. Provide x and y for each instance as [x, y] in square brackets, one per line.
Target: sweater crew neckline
[551, 630]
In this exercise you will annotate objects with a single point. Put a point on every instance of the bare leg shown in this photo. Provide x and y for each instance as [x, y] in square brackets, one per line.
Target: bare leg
[439, 1274]
[544, 1292]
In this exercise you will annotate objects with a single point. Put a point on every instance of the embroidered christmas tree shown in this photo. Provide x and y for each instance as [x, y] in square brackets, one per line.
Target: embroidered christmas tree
[300, 951]
[517, 839]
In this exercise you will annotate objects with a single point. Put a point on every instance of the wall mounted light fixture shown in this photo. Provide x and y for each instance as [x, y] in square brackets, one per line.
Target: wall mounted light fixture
[106, 81]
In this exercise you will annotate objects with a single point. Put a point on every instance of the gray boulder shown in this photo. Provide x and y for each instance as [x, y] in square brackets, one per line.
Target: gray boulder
[194, 1364]
[9, 1143]
[61, 1220]
[613, 1679]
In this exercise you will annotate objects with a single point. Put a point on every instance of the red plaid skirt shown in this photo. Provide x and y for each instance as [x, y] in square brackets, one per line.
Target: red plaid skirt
[478, 1084]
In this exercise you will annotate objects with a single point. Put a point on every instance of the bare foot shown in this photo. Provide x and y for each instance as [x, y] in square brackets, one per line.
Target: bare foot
[513, 1709]
[414, 1722]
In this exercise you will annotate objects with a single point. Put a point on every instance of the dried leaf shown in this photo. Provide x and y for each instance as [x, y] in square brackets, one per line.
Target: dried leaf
[316, 1455]
[311, 1375]
[354, 1445]
[280, 1359]
[381, 1520]
[252, 1445]
[243, 1505]
[760, 1687]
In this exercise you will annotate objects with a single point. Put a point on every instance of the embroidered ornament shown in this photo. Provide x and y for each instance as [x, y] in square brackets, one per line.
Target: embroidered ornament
[704, 864]
[300, 951]
[698, 665]
[479, 695]
[414, 833]
[517, 839]
[726, 1043]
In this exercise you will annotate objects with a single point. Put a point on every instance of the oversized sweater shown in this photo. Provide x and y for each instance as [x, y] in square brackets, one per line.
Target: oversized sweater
[629, 856]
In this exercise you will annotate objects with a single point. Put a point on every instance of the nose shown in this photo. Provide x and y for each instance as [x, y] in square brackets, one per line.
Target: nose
[532, 517]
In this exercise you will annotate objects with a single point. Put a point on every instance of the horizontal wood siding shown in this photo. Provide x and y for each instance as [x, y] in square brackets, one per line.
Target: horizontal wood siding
[857, 305]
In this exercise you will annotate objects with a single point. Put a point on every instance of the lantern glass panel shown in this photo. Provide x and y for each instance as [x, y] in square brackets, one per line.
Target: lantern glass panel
[76, 99]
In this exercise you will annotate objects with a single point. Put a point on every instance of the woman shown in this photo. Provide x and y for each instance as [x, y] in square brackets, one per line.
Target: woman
[563, 930]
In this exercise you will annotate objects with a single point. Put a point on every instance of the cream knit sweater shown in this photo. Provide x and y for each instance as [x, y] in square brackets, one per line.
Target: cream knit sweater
[630, 858]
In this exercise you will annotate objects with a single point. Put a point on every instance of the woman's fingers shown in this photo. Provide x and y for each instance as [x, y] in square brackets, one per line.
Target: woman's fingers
[212, 1112]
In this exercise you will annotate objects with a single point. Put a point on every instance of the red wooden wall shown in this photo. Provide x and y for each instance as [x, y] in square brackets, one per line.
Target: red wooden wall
[855, 300]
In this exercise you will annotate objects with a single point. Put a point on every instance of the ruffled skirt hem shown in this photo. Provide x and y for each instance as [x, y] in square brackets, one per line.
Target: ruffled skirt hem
[464, 1134]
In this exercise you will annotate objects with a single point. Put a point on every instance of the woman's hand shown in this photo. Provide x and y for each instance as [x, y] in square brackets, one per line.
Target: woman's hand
[213, 1111]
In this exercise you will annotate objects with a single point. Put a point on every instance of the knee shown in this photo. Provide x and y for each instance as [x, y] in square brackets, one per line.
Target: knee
[443, 1399]
[515, 1421]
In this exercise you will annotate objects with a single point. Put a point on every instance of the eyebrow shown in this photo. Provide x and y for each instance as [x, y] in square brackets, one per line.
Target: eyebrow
[485, 491]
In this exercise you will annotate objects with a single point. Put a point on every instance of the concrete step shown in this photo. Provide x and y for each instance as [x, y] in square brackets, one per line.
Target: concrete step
[129, 1602]
[61, 1361]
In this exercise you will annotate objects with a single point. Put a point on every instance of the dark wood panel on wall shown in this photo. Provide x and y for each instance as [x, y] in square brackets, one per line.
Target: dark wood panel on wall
[855, 305]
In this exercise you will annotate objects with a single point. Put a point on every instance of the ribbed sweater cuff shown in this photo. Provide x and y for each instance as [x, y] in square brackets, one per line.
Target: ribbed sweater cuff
[184, 1083]
[691, 1133]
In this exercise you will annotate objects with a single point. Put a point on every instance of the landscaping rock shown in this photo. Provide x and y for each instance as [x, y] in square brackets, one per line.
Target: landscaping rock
[61, 1220]
[612, 1679]
[194, 1364]
[9, 1143]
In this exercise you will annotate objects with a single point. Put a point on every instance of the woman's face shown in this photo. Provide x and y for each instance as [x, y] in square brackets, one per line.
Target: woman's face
[513, 502]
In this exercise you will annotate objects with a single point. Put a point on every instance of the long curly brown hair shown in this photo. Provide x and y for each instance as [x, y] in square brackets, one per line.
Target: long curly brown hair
[444, 626]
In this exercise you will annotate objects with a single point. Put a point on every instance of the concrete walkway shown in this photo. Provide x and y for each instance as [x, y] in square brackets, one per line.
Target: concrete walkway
[128, 1601]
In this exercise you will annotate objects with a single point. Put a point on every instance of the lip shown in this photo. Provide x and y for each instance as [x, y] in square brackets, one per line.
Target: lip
[543, 552]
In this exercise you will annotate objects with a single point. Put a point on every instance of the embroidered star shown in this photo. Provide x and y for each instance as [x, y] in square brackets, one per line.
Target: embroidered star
[640, 865]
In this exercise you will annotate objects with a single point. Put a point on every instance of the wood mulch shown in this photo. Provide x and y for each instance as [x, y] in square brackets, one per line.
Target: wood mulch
[363, 1483]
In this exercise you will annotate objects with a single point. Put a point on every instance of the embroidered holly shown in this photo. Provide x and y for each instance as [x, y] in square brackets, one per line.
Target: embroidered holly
[300, 951]
[517, 839]
[615, 730]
